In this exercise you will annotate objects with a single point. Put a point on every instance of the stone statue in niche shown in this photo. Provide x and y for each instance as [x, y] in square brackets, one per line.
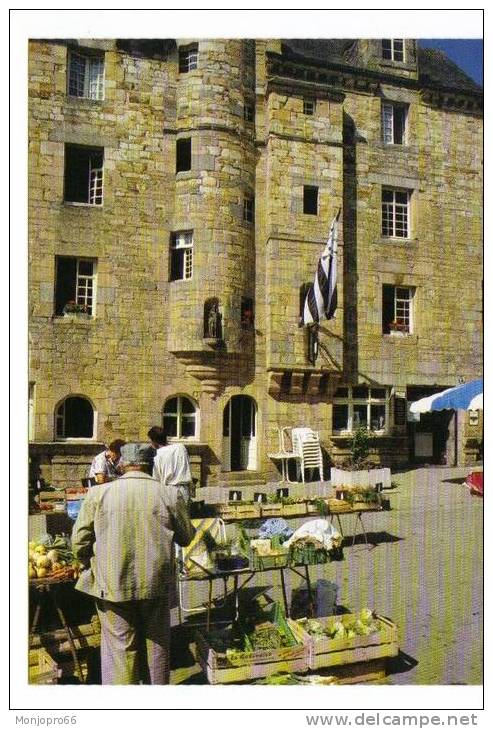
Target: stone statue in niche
[214, 322]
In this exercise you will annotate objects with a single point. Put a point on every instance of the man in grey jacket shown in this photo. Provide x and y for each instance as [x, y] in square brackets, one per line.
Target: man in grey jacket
[124, 537]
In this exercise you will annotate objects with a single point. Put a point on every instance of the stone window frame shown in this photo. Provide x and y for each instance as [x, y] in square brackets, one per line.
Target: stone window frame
[183, 155]
[249, 209]
[95, 175]
[388, 122]
[188, 58]
[308, 201]
[393, 51]
[309, 107]
[249, 112]
[85, 285]
[86, 75]
[402, 313]
[396, 214]
[181, 246]
[180, 416]
[352, 398]
[59, 424]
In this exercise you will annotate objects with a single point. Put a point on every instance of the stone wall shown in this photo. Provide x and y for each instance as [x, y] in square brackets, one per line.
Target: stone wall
[145, 342]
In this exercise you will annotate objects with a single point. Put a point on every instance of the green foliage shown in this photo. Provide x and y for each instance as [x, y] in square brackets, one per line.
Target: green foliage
[360, 446]
[322, 506]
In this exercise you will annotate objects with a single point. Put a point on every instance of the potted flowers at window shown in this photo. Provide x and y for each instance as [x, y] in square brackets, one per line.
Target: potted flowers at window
[73, 310]
[398, 328]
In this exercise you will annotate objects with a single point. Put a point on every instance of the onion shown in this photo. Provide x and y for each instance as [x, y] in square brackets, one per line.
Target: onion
[43, 561]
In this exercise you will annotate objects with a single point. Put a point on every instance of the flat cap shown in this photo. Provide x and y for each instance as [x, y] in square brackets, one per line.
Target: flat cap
[137, 454]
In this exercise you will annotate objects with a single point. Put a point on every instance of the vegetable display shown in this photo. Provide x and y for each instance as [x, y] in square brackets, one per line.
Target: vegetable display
[52, 558]
[342, 626]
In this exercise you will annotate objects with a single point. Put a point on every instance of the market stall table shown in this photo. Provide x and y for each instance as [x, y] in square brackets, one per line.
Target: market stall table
[249, 572]
[357, 512]
[47, 591]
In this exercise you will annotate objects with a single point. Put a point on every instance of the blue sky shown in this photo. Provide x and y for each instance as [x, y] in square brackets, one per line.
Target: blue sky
[468, 54]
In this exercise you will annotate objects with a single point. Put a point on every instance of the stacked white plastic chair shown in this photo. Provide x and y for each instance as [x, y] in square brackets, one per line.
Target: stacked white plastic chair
[306, 445]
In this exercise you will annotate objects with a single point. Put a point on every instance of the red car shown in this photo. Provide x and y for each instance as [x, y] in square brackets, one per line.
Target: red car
[475, 483]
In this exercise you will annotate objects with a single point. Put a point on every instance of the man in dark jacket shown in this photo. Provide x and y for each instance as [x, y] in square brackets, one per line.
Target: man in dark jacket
[124, 537]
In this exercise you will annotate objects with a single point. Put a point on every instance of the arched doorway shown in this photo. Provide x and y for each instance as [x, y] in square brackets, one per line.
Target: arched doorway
[239, 434]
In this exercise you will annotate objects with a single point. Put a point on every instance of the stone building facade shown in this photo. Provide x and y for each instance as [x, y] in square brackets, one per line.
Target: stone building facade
[180, 195]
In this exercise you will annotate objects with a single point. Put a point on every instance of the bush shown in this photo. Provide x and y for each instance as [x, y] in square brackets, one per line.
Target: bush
[360, 447]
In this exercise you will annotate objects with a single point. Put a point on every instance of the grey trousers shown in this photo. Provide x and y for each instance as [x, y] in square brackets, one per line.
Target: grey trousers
[135, 638]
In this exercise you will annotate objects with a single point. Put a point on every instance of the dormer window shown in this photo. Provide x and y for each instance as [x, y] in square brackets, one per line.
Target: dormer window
[393, 49]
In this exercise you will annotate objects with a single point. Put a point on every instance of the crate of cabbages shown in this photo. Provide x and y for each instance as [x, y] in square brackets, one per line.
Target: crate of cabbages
[351, 638]
[244, 653]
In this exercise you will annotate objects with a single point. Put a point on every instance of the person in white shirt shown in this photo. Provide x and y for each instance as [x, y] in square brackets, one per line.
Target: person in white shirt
[171, 462]
[105, 466]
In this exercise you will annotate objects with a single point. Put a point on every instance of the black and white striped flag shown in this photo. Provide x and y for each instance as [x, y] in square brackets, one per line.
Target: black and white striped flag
[321, 299]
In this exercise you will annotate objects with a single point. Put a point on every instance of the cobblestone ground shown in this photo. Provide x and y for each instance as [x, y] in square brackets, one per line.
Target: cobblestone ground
[424, 572]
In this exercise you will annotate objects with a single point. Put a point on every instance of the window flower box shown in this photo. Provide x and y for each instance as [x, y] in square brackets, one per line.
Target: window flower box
[72, 310]
[398, 329]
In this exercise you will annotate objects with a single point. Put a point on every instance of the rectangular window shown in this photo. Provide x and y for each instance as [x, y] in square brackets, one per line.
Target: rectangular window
[309, 107]
[360, 407]
[188, 58]
[248, 113]
[310, 200]
[75, 280]
[395, 213]
[181, 259]
[394, 123]
[393, 49]
[83, 174]
[247, 313]
[183, 154]
[397, 309]
[248, 209]
[86, 76]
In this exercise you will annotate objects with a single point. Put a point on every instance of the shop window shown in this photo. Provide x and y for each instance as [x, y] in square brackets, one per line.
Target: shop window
[74, 418]
[397, 309]
[394, 123]
[248, 209]
[183, 154]
[180, 417]
[188, 58]
[84, 174]
[181, 255]
[310, 200]
[395, 213]
[393, 49]
[75, 285]
[309, 107]
[360, 407]
[86, 76]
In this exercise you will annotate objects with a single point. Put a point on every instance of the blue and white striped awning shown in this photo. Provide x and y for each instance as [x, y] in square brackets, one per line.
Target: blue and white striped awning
[463, 397]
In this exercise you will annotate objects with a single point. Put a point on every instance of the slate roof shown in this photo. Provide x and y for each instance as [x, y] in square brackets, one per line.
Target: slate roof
[434, 67]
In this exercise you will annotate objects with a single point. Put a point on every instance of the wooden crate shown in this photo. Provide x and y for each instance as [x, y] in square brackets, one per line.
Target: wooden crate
[257, 664]
[269, 561]
[247, 511]
[331, 652]
[270, 510]
[365, 672]
[43, 669]
[294, 509]
[337, 506]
